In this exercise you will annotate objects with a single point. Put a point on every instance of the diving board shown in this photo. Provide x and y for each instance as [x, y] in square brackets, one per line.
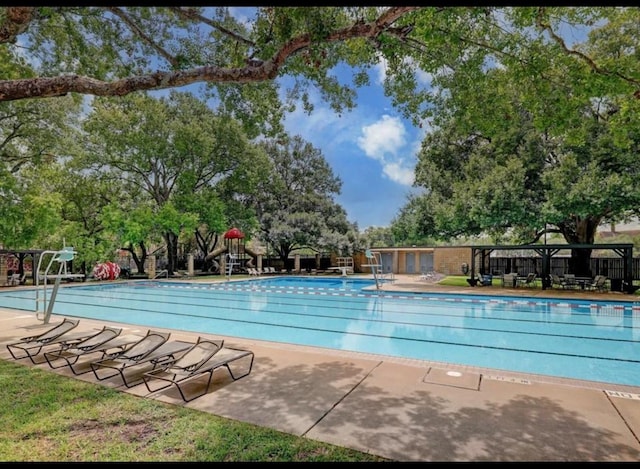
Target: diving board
[345, 265]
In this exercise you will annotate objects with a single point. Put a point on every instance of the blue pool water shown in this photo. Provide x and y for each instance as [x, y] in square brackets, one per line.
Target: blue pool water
[580, 339]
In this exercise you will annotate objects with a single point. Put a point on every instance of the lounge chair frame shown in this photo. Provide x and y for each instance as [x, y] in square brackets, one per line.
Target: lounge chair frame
[60, 335]
[179, 372]
[107, 341]
[569, 282]
[153, 349]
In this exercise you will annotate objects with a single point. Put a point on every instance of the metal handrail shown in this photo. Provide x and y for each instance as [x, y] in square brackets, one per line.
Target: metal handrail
[163, 272]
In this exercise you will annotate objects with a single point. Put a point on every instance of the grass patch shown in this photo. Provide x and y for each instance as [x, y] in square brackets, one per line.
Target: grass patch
[49, 417]
[455, 281]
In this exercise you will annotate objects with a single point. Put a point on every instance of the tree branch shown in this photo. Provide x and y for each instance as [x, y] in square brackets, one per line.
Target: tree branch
[134, 27]
[540, 233]
[590, 62]
[193, 15]
[44, 87]
[16, 22]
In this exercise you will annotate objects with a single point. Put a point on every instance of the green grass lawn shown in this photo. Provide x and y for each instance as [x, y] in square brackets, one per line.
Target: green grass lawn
[47, 417]
[455, 281]
[461, 281]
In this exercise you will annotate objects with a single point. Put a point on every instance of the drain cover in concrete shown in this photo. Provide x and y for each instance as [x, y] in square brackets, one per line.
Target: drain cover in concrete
[458, 379]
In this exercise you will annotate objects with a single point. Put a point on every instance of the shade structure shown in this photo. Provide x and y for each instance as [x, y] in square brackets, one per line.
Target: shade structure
[234, 233]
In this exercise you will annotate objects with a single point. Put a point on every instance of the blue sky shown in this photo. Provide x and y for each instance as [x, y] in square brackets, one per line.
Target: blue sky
[372, 149]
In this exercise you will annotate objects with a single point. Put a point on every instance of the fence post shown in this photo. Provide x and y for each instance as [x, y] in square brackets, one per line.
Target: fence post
[190, 269]
[152, 266]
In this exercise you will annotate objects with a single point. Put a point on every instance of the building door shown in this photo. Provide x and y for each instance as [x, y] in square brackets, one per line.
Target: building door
[387, 262]
[426, 262]
[410, 262]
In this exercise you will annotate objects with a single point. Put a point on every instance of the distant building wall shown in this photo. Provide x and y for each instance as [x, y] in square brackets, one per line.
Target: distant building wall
[448, 260]
[415, 260]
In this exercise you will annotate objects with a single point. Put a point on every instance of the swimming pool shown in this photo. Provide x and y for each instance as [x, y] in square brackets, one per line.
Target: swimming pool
[578, 339]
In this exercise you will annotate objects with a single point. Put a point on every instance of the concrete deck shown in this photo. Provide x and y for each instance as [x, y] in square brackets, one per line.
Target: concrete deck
[401, 409]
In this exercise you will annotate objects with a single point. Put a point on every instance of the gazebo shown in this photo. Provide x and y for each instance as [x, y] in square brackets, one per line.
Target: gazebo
[547, 251]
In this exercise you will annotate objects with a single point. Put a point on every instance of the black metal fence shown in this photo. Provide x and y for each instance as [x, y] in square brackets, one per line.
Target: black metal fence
[307, 262]
[611, 267]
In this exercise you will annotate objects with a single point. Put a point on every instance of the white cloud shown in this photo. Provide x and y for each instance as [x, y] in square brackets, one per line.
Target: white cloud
[397, 173]
[244, 15]
[385, 141]
[323, 127]
[382, 137]
[423, 77]
[319, 121]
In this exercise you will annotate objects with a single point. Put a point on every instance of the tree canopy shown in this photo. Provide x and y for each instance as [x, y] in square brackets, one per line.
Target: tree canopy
[294, 202]
[532, 113]
[516, 155]
[114, 51]
[172, 155]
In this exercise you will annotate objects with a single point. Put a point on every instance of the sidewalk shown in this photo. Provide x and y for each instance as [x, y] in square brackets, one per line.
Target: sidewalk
[402, 409]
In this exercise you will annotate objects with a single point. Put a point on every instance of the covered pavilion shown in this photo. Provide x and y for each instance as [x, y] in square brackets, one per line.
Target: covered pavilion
[480, 255]
[22, 255]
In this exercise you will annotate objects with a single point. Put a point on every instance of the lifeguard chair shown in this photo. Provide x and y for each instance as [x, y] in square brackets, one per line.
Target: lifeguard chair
[45, 299]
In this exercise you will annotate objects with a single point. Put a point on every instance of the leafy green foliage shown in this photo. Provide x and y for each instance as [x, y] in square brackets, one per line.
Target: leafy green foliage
[294, 203]
[533, 143]
[523, 104]
[173, 155]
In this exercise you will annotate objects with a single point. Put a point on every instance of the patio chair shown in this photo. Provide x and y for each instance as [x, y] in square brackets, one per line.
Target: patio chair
[107, 339]
[599, 283]
[556, 281]
[202, 359]
[16, 279]
[509, 280]
[569, 281]
[151, 350]
[485, 280]
[427, 276]
[529, 281]
[60, 334]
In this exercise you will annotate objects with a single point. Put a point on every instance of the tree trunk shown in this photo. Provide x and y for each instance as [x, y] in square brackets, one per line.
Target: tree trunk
[580, 263]
[206, 245]
[172, 251]
[579, 230]
[139, 261]
[283, 252]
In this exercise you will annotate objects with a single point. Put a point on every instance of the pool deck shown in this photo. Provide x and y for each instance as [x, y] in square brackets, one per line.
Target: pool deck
[403, 409]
